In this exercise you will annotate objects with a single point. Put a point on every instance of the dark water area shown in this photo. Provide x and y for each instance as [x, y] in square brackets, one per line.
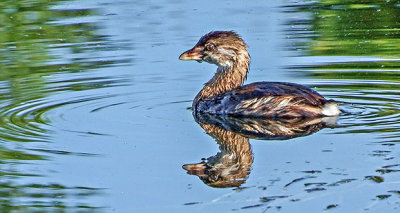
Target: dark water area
[94, 108]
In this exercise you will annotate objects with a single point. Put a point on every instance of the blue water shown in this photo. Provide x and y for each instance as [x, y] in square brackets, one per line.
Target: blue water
[95, 111]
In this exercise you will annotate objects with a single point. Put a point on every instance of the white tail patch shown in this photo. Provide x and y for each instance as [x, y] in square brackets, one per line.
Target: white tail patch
[331, 109]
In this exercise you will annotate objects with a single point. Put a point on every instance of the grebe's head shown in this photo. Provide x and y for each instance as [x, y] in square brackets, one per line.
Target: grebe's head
[218, 47]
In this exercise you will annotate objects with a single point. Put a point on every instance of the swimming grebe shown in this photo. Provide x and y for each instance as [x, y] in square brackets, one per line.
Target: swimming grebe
[224, 95]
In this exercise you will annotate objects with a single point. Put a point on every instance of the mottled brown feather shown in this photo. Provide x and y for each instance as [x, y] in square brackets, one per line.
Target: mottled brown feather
[266, 99]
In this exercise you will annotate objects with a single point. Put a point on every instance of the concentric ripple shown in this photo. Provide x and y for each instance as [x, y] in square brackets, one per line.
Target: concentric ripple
[366, 108]
[25, 120]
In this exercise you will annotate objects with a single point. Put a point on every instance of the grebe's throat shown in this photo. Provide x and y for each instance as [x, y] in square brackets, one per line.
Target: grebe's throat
[227, 77]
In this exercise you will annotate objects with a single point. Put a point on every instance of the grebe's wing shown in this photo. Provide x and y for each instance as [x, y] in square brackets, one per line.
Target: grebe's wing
[271, 99]
[277, 89]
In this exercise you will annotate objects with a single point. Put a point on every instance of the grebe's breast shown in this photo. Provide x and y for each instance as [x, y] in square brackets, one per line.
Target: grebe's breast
[268, 99]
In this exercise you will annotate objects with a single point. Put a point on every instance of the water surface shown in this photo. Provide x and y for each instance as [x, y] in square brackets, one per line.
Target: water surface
[94, 105]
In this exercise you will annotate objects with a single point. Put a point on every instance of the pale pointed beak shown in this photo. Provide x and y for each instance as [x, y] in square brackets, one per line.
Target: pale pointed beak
[195, 169]
[192, 54]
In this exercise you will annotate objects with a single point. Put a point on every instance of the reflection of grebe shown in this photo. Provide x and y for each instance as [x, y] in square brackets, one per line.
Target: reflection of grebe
[223, 94]
[231, 166]
[228, 168]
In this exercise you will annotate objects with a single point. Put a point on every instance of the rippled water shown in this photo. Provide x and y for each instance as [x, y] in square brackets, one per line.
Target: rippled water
[94, 114]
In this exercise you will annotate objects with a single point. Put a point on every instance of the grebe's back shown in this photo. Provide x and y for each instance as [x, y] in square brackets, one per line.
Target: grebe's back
[269, 99]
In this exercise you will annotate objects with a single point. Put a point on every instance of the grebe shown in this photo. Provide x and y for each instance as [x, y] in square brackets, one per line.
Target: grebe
[224, 95]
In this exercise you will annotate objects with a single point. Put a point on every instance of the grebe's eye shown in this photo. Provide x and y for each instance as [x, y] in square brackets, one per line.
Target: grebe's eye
[210, 47]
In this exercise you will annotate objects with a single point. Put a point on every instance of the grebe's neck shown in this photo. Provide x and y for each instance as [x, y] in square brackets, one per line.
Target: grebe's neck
[227, 77]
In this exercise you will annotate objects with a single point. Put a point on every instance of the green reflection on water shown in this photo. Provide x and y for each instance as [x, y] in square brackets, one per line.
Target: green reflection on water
[46, 198]
[31, 35]
[354, 28]
[350, 28]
